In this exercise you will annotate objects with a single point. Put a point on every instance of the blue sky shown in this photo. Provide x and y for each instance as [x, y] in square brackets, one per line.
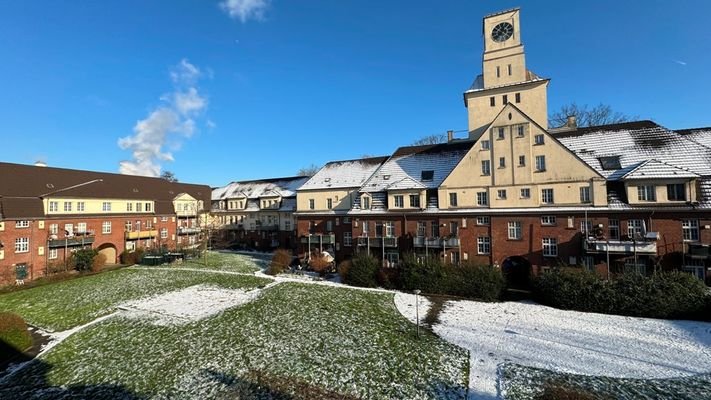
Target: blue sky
[291, 83]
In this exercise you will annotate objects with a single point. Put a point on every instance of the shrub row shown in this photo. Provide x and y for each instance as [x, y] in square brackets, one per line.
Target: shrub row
[662, 295]
[430, 275]
[131, 257]
[13, 331]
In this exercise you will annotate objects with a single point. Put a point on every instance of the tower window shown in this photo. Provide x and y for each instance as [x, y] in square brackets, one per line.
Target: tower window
[492, 101]
[498, 72]
[509, 69]
[506, 99]
[518, 97]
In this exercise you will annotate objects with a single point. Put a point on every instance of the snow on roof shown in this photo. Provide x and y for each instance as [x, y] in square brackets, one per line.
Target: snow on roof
[409, 167]
[655, 169]
[283, 187]
[635, 143]
[478, 83]
[344, 174]
[701, 136]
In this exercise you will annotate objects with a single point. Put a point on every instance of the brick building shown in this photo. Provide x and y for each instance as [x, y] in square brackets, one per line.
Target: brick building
[46, 213]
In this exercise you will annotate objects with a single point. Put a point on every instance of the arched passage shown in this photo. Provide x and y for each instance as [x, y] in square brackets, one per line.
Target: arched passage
[108, 250]
[517, 271]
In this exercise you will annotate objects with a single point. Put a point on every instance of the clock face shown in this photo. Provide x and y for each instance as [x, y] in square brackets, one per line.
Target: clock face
[502, 32]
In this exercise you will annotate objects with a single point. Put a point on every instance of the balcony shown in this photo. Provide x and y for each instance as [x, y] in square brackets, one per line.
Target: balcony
[76, 240]
[141, 234]
[184, 230]
[621, 247]
[267, 228]
[377, 241]
[316, 239]
[420, 241]
[699, 251]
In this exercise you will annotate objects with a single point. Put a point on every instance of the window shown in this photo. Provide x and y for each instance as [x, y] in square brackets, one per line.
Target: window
[347, 239]
[329, 203]
[492, 101]
[540, 163]
[106, 227]
[106, 206]
[586, 227]
[69, 230]
[518, 97]
[614, 228]
[610, 163]
[53, 229]
[421, 226]
[547, 196]
[501, 133]
[482, 198]
[128, 226]
[550, 247]
[81, 206]
[22, 245]
[22, 224]
[427, 175]
[389, 229]
[67, 206]
[453, 228]
[520, 130]
[329, 226]
[486, 167]
[525, 193]
[515, 231]
[538, 139]
[399, 201]
[415, 200]
[647, 193]
[346, 220]
[485, 145]
[483, 220]
[312, 204]
[149, 206]
[585, 194]
[453, 199]
[287, 225]
[505, 99]
[635, 228]
[639, 268]
[501, 194]
[510, 70]
[53, 206]
[676, 192]
[164, 219]
[164, 233]
[690, 229]
[366, 203]
[498, 71]
[589, 263]
[548, 220]
[81, 227]
[434, 227]
[139, 207]
[483, 245]
[129, 206]
[53, 254]
[502, 162]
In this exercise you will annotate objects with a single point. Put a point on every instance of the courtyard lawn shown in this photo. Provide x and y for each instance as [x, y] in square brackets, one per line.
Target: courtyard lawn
[74, 302]
[346, 343]
[227, 261]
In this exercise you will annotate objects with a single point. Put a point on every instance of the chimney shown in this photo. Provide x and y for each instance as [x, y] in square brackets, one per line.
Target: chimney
[450, 136]
[571, 122]
[39, 163]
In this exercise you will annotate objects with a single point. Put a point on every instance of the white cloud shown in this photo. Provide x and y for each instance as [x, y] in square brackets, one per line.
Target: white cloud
[680, 62]
[165, 125]
[245, 10]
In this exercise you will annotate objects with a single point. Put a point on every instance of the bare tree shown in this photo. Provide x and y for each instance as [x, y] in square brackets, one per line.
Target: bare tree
[431, 139]
[168, 176]
[311, 170]
[601, 114]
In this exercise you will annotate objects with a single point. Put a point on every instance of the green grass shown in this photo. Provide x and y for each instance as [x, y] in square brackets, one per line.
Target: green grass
[13, 331]
[67, 304]
[224, 261]
[343, 340]
[525, 383]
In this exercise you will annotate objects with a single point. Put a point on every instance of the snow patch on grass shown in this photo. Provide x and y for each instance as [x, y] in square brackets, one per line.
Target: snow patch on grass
[187, 305]
[405, 303]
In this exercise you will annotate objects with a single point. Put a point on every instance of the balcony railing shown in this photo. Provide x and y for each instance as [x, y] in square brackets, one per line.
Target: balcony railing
[142, 234]
[316, 239]
[185, 230]
[76, 240]
[420, 241]
[272, 227]
[377, 241]
[620, 246]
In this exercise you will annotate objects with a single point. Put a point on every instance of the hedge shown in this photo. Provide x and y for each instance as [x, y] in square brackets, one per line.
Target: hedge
[662, 295]
[362, 271]
[13, 331]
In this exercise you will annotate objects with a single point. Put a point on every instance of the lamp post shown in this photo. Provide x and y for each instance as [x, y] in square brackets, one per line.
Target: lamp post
[417, 311]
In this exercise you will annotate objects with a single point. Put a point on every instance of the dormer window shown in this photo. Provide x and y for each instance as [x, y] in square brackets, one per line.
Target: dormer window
[365, 203]
[427, 175]
[610, 163]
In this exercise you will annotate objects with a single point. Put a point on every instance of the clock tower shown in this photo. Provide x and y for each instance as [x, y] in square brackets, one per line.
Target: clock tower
[505, 78]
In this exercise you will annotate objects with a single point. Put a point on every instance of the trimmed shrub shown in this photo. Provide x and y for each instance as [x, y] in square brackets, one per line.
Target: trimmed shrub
[320, 264]
[99, 262]
[82, 259]
[662, 295]
[343, 268]
[363, 271]
[280, 262]
[13, 331]
[131, 257]
[389, 278]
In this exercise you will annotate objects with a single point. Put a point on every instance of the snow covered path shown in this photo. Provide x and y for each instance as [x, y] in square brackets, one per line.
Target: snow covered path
[567, 341]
